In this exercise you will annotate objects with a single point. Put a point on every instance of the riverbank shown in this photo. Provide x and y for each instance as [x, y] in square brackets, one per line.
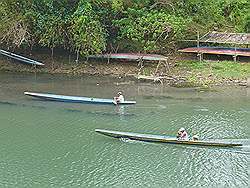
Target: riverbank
[180, 71]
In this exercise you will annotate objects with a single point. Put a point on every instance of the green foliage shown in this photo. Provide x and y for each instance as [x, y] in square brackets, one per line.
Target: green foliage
[50, 31]
[88, 35]
[246, 25]
[235, 12]
[89, 26]
[13, 28]
[50, 20]
[117, 5]
[221, 15]
[150, 30]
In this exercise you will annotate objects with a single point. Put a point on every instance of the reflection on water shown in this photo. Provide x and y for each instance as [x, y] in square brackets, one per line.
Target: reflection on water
[7, 103]
[53, 144]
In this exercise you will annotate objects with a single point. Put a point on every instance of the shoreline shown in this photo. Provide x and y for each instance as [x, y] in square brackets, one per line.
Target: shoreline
[181, 71]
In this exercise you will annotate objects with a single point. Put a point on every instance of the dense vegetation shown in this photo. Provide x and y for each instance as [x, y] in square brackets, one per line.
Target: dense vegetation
[94, 26]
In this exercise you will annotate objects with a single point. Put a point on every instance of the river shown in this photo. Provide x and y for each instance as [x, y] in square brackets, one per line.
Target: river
[53, 144]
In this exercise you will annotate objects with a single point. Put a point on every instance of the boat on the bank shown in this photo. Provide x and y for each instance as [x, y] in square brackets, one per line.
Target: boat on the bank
[75, 99]
[131, 56]
[20, 58]
[163, 139]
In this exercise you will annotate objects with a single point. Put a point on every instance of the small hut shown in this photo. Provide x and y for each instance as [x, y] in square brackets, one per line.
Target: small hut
[234, 40]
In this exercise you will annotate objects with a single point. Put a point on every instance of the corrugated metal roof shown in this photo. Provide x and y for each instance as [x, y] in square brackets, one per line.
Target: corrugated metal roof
[233, 38]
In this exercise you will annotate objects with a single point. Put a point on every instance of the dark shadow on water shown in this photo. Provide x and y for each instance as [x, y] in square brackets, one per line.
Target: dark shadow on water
[73, 110]
[110, 114]
[7, 103]
[22, 105]
[172, 98]
[32, 106]
[158, 97]
[98, 113]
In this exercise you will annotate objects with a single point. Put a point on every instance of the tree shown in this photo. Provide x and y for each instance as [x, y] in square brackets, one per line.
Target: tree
[14, 29]
[150, 30]
[87, 33]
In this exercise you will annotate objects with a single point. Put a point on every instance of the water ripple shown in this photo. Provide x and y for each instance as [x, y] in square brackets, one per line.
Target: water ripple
[49, 144]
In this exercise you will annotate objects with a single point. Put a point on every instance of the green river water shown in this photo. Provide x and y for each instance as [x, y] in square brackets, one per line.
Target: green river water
[53, 144]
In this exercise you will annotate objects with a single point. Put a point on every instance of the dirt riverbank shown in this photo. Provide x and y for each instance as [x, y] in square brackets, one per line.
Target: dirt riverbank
[180, 70]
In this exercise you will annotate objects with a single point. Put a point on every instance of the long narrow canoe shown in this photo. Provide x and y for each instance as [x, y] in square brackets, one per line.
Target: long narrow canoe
[131, 56]
[164, 139]
[20, 58]
[75, 99]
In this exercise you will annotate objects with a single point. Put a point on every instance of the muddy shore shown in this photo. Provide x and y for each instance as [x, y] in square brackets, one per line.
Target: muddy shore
[169, 74]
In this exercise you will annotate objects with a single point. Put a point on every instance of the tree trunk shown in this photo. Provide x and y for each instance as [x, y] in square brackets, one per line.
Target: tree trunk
[77, 56]
[52, 58]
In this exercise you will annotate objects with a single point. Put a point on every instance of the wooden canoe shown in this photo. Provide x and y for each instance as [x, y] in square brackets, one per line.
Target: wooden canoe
[75, 99]
[163, 139]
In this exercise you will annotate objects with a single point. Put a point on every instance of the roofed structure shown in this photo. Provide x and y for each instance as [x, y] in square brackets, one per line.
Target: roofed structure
[234, 39]
[231, 38]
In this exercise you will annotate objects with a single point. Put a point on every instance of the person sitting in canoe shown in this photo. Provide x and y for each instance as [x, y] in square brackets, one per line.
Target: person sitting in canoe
[182, 134]
[119, 98]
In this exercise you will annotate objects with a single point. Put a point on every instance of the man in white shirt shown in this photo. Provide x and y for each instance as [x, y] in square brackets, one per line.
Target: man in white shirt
[182, 134]
[119, 98]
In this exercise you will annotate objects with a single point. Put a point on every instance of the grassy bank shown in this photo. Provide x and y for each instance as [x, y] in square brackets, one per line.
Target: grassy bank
[184, 73]
[208, 73]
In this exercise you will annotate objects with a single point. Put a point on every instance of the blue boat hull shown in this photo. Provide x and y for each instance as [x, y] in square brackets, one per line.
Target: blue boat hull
[75, 99]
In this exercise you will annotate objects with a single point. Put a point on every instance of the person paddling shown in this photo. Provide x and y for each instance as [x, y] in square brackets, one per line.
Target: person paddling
[119, 98]
[182, 134]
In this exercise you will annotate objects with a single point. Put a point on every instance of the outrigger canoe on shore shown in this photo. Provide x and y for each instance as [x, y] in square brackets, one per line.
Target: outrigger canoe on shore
[163, 139]
[75, 99]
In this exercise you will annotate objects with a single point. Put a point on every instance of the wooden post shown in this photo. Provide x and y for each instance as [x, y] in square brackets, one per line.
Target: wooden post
[167, 68]
[201, 56]
[248, 82]
[157, 67]
[109, 55]
[140, 63]
[248, 87]
[52, 56]
[198, 45]
[198, 40]
[235, 54]
[77, 56]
